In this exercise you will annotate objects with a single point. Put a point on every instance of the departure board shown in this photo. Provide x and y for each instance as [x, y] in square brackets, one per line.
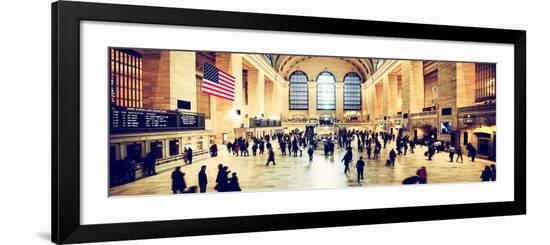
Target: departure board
[128, 119]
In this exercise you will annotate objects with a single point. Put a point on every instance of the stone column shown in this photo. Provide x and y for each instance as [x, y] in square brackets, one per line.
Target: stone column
[312, 99]
[156, 79]
[447, 94]
[412, 78]
[146, 148]
[465, 84]
[364, 101]
[386, 96]
[391, 101]
[183, 79]
[339, 100]
[165, 148]
[256, 93]
[123, 153]
[226, 110]
[269, 91]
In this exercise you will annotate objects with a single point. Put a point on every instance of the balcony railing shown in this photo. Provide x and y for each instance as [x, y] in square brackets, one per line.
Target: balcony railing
[261, 123]
[423, 114]
[477, 108]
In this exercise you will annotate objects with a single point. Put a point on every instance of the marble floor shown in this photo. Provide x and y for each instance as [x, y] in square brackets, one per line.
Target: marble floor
[324, 172]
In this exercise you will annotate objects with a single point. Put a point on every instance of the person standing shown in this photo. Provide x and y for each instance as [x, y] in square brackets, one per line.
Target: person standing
[473, 153]
[203, 179]
[254, 148]
[431, 151]
[412, 145]
[271, 157]
[178, 182]
[369, 151]
[405, 146]
[486, 174]
[360, 165]
[451, 153]
[221, 178]
[229, 146]
[262, 145]
[493, 172]
[190, 155]
[392, 157]
[233, 183]
[422, 174]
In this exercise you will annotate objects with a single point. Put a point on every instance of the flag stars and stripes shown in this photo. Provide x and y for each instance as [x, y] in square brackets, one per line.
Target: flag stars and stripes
[218, 83]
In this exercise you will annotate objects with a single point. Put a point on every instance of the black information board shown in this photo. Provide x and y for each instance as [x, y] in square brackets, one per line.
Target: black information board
[133, 120]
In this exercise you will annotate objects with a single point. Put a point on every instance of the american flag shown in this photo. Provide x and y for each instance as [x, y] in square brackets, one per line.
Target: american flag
[218, 83]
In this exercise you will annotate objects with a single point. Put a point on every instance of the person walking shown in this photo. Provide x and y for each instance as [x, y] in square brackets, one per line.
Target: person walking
[271, 157]
[360, 165]
[347, 159]
[310, 153]
[178, 181]
[451, 153]
[203, 179]
[459, 154]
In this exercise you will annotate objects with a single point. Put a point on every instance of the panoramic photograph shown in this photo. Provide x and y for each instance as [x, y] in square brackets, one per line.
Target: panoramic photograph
[184, 121]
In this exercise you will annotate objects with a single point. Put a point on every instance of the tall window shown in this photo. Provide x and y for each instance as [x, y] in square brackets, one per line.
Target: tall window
[352, 91]
[326, 91]
[485, 82]
[298, 91]
[126, 78]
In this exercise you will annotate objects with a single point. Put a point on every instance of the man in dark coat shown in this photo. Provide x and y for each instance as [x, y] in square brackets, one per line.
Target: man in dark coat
[392, 157]
[178, 182]
[189, 155]
[360, 165]
[347, 159]
[271, 157]
[203, 179]
[233, 184]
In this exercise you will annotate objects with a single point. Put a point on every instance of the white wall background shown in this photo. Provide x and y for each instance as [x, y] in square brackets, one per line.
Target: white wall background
[25, 144]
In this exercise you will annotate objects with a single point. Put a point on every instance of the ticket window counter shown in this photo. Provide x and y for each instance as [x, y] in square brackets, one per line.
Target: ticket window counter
[112, 154]
[174, 147]
[133, 152]
[156, 149]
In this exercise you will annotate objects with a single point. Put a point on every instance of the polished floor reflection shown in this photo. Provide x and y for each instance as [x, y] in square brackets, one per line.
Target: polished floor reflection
[324, 172]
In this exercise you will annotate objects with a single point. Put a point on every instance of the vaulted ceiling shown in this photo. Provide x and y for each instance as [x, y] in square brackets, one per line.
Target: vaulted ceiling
[286, 64]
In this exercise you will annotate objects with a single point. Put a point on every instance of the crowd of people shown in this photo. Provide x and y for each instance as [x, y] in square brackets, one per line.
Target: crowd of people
[369, 145]
[224, 183]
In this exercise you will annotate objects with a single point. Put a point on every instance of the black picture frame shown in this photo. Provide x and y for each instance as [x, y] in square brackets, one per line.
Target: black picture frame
[66, 18]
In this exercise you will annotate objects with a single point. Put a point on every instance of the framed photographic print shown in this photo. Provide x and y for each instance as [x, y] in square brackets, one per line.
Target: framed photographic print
[177, 122]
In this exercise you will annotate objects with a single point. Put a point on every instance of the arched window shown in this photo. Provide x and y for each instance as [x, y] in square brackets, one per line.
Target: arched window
[326, 91]
[352, 91]
[298, 99]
